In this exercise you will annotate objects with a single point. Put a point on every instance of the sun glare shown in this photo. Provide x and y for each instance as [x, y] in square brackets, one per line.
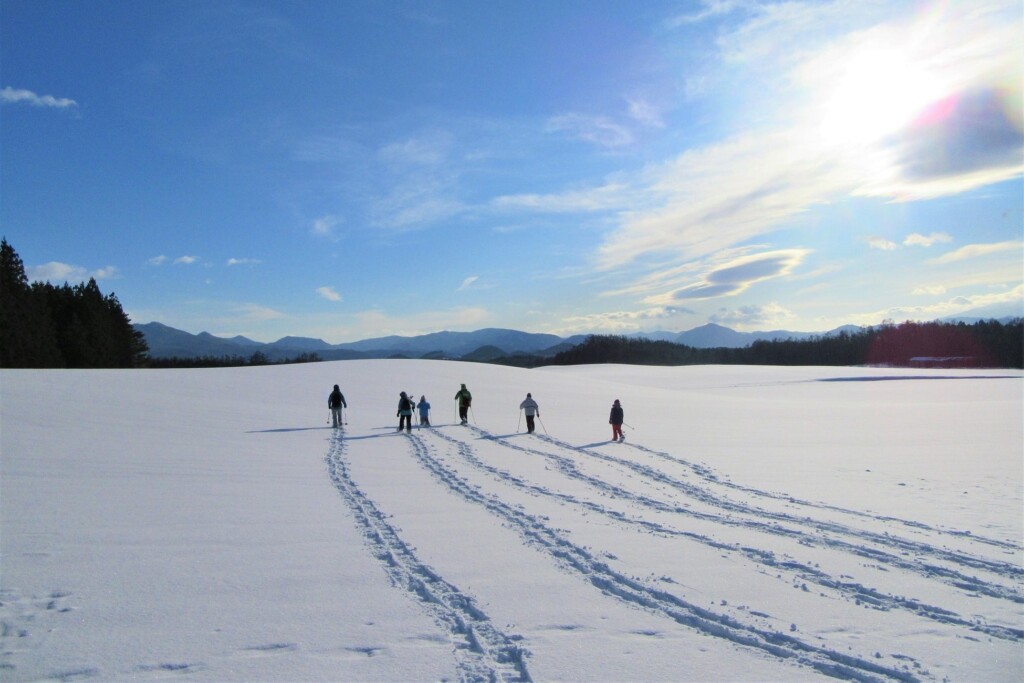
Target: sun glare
[875, 93]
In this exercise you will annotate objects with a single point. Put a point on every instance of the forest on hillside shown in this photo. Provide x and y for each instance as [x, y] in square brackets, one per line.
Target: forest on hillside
[983, 344]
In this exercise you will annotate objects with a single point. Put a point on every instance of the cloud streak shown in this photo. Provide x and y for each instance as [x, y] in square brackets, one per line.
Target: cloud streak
[9, 95]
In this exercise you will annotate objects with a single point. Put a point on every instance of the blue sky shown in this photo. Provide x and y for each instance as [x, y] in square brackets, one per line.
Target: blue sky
[353, 169]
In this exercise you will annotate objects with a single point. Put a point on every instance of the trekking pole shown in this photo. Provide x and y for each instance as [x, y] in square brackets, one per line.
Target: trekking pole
[472, 414]
[520, 421]
[542, 425]
[328, 416]
[626, 424]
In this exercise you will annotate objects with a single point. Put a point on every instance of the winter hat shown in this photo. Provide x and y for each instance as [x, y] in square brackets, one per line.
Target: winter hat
[335, 387]
[616, 401]
[529, 395]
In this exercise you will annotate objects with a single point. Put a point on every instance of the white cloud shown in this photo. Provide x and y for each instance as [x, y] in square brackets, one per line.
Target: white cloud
[971, 251]
[954, 306]
[919, 240]
[328, 293]
[243, 262]
[57, 273]
[882, 244]
[186, 260]
[158, 260]
[17, 96]
[929, 290]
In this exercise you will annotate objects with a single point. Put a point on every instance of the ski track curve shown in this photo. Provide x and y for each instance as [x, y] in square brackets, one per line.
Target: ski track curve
[850, 590]
[482, 651]
[828, 534]
[578, 560]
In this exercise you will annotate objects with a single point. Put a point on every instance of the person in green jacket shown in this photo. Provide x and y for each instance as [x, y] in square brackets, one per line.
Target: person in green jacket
[465, 399]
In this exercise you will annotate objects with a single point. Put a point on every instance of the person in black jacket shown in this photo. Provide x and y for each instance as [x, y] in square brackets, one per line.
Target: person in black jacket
[336, 401]
[405, 406]
[615, 420]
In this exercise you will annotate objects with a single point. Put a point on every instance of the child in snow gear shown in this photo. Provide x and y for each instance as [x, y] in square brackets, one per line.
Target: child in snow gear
[405, 406]
[465, 400]
[424, 409]
[531, 408]
[615, 420]
[335, 402]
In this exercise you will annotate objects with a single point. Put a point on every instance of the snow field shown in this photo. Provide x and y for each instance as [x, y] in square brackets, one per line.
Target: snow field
[758, 523]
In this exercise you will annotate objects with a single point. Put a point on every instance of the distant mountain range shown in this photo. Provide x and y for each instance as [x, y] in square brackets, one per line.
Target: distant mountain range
[485, 344]
[482, 345]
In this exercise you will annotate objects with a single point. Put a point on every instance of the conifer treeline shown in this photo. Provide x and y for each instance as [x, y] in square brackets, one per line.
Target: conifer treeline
[46, 326]
[985, 344]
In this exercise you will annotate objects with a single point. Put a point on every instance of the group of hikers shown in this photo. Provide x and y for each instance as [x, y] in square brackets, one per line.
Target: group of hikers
[407, 405]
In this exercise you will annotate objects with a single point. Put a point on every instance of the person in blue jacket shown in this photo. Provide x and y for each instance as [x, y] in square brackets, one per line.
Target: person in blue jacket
[424, 409]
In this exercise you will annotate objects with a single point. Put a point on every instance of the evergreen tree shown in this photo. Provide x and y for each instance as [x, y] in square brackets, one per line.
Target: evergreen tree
[27, 334]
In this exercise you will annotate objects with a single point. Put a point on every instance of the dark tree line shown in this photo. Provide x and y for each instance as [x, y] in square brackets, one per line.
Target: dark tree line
[987, 343]
[46, 326]
[229, 361]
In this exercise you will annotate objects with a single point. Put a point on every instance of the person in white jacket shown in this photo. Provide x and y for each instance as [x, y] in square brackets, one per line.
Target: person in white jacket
[530, 408]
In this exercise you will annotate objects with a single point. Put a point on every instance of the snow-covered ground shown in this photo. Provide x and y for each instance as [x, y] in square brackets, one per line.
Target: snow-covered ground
[757, 524]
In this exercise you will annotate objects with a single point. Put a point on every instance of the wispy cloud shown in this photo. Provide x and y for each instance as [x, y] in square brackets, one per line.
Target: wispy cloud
[186, 260]
[243, 262]
[468, 283]
[323, 227]
[256, 312]
[756, 180]
[972, 251]
[645, 113]
[708, 10]
[328, 293]
[735, 277]
[10, 95]
[752, 317]
[622, 321]
[597, 130]
[157, 260]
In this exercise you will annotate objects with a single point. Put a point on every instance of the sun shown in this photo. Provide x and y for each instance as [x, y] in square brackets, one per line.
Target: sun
[875, 93]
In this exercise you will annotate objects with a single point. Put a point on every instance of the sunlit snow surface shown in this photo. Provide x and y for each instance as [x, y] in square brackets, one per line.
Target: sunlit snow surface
[757, 524]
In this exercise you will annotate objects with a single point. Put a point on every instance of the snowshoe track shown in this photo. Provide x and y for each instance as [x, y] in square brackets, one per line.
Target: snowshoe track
[483, 653]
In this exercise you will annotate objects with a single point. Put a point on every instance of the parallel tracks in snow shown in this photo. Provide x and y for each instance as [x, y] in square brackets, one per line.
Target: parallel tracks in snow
[536, 532]
[482, 652]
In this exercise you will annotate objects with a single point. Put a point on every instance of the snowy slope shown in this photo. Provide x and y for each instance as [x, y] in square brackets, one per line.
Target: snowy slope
[758, 524]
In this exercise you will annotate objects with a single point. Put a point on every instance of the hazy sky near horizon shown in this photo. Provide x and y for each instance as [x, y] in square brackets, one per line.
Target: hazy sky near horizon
[351, 169]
